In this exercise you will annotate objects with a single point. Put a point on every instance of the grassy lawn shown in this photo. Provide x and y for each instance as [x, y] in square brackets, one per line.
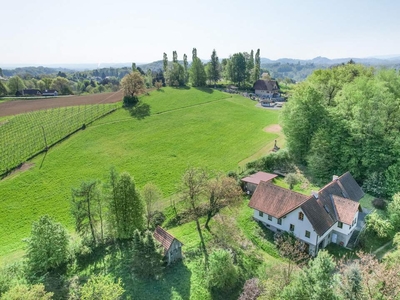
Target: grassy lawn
[366, 202]
[172, 130]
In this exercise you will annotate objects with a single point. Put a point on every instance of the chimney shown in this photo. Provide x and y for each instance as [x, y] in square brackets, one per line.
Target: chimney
[315, 194]
[335, 177]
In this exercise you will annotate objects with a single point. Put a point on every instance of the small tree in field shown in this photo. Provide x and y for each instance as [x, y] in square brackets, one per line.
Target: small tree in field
[151, 194]
[221, 191]
[132, 85]
[194, 183]
[158, 84]
[47, 245]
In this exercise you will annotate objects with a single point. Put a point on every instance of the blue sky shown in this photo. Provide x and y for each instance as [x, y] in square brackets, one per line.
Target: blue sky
[87, 31]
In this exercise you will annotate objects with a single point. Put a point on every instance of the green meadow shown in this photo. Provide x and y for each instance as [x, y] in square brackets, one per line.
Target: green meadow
[169, 131]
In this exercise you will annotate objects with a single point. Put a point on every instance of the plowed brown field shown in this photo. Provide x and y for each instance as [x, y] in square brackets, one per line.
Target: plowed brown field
[22, 106]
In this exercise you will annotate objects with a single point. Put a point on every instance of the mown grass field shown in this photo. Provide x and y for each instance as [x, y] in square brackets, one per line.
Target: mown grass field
[171, 130]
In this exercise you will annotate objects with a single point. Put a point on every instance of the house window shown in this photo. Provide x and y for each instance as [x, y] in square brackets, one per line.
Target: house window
[280, 221]
[291, 227]
[301, 216]
[260, 213]
[308, 234]
[340, 224]
[269, 217]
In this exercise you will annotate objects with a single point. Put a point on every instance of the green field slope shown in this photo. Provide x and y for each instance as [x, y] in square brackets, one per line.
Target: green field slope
[170, 131]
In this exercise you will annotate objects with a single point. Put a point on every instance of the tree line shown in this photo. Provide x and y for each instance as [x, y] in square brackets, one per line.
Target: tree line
[346, 118]
[240, 68]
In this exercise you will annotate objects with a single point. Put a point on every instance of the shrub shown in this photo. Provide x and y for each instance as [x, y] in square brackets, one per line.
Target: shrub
[130, 101]
[222, 274]
[252, 289]
[27, 292]
[157, 219]
[101, 287]
[280, 160]
[379, 203]
[291, 179]
[380, 226]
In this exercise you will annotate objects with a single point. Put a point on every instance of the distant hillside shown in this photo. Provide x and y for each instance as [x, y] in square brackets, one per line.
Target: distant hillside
[35, 71]
[298, 69]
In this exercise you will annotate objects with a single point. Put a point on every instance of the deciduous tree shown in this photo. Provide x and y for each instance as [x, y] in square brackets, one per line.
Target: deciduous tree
[15, 84]
[87, 209]
[221, 191]
[197, 73]
[257, 66]
[47, 245]
[194, 183]
[151, 194]
[133, 84]
[27, 292]
[61, 85]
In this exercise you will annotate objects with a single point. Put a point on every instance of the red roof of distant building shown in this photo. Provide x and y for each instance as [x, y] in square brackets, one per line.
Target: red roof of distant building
[259, 176]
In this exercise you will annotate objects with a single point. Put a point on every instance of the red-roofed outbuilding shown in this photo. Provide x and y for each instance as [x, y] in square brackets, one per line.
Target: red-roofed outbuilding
[252, 181]
[172, 246]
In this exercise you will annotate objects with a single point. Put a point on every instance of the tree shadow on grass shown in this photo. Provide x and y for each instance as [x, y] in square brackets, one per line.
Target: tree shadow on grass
[205, 89]
[140, 111]
[183, 87]
[174, 281]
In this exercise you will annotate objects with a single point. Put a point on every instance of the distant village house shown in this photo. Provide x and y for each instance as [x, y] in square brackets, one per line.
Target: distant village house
[267, 88]
[172, 247]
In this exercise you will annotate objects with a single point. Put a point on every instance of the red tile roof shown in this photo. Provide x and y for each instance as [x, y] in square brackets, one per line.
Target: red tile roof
[259, 176]
[345, 208]
[274, 200]
[164, 238]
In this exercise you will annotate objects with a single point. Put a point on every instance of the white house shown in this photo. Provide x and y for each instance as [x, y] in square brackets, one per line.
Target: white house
[266, 88]
[328, 216]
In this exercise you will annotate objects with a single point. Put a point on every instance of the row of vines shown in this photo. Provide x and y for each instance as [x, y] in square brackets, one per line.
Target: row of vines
[26, 135]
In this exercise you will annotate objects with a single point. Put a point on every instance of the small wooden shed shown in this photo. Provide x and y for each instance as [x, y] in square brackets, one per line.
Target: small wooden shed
[172, 246]
[251, 182]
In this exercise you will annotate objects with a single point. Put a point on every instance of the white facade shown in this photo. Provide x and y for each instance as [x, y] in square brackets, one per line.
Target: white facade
[304, 230]
[264, 93]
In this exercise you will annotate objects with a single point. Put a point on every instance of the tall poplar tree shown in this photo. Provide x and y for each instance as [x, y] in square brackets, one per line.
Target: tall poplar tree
[165, 63]
[174, 57]
[185, 67]
[257, 66]
[213, 69]
[194, 54]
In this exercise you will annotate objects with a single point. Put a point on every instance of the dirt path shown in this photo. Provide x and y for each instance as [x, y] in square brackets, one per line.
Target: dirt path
[14, 107]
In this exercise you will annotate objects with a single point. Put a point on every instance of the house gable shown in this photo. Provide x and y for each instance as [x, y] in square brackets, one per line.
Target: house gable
[274, 200]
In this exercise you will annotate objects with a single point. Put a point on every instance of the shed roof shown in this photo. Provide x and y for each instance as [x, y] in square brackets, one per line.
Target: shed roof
[164, 238]
[274, 200]
[259, 176]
